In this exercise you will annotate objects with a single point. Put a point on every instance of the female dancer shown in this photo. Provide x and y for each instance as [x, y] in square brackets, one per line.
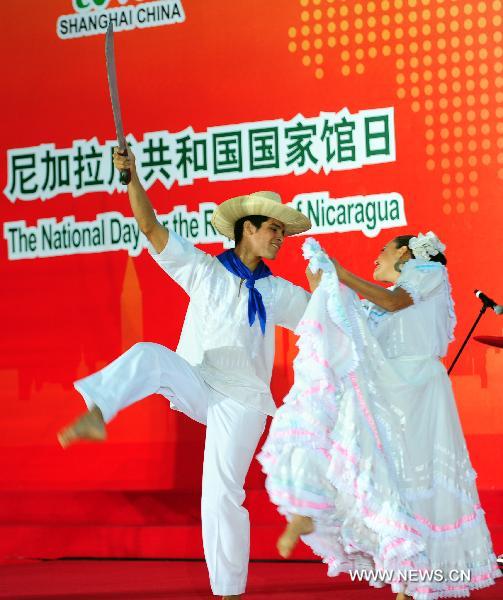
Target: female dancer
[366, 458]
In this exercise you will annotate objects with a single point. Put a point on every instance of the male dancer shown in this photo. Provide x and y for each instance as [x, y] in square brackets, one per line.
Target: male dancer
[220, 374]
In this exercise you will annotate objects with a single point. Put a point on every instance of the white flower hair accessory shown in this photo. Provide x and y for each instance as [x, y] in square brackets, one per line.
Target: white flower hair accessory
[426, 246]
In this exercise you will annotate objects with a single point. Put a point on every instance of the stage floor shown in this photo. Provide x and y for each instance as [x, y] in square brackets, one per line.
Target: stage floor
[177, 580]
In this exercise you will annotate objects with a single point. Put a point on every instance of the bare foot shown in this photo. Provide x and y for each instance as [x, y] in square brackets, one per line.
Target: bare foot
[298, 526]
[231, 597]
[401, 596]
[90, 426]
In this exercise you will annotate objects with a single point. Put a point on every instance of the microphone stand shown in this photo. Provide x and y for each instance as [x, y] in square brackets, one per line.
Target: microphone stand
[482, 311]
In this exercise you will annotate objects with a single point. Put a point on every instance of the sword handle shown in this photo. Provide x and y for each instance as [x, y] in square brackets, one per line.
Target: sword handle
[125, 174]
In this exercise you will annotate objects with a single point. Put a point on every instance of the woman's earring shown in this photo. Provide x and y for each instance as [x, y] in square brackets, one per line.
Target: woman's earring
[399, 265]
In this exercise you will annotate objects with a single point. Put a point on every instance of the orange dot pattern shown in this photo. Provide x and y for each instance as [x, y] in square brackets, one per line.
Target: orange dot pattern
[448, 58]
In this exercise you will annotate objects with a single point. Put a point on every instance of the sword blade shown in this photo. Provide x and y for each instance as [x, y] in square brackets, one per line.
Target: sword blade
[112, 86]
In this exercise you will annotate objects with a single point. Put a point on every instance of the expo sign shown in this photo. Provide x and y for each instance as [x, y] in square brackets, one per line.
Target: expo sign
[91, 17]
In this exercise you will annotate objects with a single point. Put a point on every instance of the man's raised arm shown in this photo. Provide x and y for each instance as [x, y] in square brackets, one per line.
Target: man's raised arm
[141, 206]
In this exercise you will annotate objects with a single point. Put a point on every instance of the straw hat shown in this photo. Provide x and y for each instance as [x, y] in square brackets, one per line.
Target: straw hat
[267, 204]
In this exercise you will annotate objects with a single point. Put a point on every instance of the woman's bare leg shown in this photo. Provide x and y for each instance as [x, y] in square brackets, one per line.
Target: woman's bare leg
[299, 525]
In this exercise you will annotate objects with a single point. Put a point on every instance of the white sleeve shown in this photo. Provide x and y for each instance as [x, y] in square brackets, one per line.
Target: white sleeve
[182, 261]
[422, 278]
[291, 304]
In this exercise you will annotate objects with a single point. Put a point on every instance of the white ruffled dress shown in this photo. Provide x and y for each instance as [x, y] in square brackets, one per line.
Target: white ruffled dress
[369, 444]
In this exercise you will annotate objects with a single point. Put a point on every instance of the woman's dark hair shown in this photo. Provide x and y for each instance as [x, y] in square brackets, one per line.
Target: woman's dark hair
[403, 240]
[256, 220]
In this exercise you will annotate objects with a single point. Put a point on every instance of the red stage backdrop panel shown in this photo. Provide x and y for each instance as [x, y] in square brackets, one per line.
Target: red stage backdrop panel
[376, 118]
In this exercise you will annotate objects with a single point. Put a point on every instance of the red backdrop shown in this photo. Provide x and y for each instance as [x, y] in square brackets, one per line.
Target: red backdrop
[437, 64]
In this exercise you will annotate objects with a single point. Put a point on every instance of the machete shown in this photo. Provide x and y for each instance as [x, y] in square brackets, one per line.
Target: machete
[125, 174]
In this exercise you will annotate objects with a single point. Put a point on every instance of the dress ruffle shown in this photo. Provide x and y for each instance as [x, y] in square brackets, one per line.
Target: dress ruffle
[416, 273]
[329, 455]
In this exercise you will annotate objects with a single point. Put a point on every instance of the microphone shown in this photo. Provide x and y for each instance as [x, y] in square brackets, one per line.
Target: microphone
[488, 302]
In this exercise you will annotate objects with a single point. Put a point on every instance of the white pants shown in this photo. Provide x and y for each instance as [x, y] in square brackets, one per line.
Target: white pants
[232, 434]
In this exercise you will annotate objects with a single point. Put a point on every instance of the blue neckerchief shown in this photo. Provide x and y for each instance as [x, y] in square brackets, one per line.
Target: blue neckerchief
[255, 303]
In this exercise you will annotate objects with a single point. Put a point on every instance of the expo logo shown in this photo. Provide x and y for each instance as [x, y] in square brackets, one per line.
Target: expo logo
[85, 5]
[92, 17]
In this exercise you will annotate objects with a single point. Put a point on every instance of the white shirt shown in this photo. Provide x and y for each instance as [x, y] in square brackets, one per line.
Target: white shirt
[426, 327]
[233, 358]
